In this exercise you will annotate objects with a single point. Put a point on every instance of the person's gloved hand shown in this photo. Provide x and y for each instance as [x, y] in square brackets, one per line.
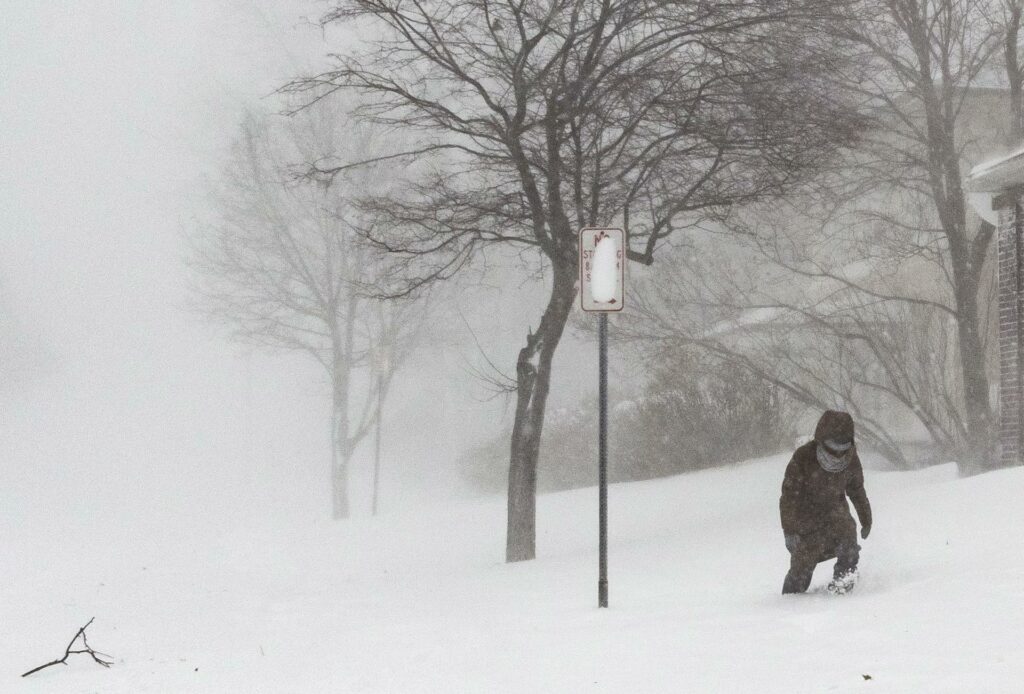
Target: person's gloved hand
[792, 541]
[865, 530]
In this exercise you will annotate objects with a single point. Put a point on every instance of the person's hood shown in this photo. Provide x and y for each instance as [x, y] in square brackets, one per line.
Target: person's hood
[834, 426]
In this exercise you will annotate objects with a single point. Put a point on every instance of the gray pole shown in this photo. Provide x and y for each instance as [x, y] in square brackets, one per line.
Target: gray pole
[602, 442]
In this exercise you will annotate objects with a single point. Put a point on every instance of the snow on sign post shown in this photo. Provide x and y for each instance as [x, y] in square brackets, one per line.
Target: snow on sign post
[602, 269]
[602, 276]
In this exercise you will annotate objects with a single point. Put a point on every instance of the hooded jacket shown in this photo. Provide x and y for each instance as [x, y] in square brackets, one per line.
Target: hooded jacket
[814, 499]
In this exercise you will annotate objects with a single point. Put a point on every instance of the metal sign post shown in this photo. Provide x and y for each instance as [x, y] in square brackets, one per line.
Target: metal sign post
[602, 460]
[602, 277]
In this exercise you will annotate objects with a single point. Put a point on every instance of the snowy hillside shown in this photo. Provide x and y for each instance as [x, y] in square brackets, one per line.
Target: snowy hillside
[422, 602]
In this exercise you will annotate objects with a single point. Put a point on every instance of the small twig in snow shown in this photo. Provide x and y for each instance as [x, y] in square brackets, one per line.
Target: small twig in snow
[70, 651]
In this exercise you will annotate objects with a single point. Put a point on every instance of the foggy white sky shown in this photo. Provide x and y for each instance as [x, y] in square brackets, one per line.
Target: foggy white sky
[114, 114]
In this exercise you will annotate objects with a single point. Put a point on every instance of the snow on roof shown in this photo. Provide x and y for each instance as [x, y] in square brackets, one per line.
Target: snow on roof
[997, 173]
[858, 269]
[750, 317]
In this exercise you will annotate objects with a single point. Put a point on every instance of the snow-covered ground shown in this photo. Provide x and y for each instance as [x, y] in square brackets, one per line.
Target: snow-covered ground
[421, 601]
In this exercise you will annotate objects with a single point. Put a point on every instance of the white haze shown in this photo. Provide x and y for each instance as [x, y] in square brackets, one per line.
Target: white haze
[115, 118]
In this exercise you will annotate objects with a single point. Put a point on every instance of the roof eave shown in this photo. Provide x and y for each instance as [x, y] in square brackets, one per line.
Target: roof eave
[997, 175]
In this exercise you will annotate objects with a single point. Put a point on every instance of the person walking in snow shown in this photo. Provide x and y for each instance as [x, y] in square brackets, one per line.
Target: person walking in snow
[816, 520]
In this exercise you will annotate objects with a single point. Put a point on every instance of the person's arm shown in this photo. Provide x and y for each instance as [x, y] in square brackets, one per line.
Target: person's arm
[859, 497]
[791, 499]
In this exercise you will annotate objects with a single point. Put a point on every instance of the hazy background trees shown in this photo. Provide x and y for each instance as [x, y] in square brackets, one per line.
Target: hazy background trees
[675, 409]
[543, 119]
[282, 267]
[841, 293]
[799, 168]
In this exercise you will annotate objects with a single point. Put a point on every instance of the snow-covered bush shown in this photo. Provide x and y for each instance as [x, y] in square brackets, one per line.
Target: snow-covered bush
[691, 415]
[695, 415]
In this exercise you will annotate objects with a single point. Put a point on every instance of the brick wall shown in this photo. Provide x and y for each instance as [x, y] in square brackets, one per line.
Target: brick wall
[1011, 328]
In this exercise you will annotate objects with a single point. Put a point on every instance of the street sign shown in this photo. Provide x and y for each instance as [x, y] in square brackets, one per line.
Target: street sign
[601, 283]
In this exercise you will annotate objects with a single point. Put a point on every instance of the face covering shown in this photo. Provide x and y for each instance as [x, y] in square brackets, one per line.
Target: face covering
[834, 461]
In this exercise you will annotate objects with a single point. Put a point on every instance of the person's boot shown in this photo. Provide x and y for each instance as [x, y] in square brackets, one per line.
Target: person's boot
[843, 582]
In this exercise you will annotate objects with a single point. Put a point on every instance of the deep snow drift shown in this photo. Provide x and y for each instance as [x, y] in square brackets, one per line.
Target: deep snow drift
[421, 602]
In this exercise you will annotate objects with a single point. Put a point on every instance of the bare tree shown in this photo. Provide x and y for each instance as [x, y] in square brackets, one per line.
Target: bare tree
[1010, 25]
[543, 118]
[879, 273]
[282, 268]
[782, 316]
[928, 53]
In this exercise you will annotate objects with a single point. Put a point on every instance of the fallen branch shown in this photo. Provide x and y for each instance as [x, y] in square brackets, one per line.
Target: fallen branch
[68, 652]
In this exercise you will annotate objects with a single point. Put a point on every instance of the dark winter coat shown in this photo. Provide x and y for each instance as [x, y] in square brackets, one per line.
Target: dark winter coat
[813, 500]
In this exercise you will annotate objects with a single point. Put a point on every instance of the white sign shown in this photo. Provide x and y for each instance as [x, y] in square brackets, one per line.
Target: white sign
[602, 269]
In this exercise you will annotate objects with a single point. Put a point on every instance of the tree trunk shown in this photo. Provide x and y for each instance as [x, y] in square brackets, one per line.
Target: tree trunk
[978, 448]
[376, 441]
[340, 443]
[1015, 76]
[339, 465]
[967, 257]
[342, 344]
[533, 378]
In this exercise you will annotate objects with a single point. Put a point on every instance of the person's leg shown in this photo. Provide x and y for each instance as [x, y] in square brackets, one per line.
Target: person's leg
[801, 568]
[847, 549]
[798, 578]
